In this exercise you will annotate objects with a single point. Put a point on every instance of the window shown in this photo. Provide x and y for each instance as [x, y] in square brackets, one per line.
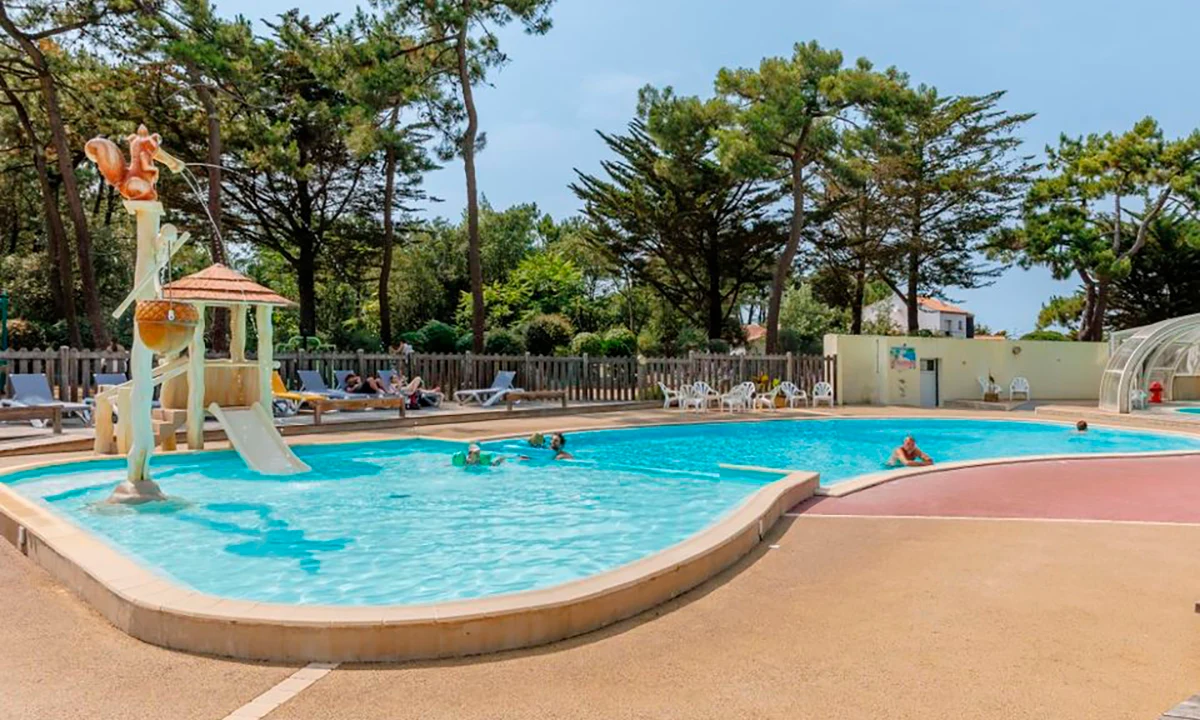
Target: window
[960, 324]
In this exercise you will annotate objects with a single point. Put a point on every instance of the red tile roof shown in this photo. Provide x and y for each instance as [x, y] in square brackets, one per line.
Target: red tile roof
[936, 305]
[220, 284]
[754, 332]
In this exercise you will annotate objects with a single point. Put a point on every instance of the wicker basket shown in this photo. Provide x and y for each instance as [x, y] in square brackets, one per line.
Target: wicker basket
[165, 326]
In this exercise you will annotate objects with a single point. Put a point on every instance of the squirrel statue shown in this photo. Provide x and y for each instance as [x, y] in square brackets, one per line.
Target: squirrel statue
[136, 180]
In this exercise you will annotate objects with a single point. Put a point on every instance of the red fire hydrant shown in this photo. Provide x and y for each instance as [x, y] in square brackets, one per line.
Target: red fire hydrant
[1156, 390]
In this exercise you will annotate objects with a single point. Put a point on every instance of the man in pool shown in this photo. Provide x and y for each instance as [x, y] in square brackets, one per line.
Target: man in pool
[557, 442]
[1081, 426]
[909, 455]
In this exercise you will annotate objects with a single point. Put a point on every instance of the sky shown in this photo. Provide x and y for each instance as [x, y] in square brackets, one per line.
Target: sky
[1082, 65]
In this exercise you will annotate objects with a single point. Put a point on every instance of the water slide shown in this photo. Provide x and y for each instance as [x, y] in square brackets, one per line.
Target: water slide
[252, 433]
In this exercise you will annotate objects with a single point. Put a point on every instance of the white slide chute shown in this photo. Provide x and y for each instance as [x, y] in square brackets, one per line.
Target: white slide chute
[252, 433]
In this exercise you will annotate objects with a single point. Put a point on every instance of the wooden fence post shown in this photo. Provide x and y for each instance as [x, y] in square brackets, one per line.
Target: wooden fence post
[64, 376]
[359, 366]
[528, 373]
[791, 368]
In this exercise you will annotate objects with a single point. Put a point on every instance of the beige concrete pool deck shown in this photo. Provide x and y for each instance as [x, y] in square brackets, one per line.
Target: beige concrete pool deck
[831, 617]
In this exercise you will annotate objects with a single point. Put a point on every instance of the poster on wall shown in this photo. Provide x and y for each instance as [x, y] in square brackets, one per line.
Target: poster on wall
[903, 358]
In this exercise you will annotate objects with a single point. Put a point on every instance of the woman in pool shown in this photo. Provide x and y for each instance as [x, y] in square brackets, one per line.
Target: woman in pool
[909, 455]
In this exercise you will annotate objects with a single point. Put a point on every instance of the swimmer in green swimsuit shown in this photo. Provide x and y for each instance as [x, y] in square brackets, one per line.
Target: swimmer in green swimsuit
[476, 457]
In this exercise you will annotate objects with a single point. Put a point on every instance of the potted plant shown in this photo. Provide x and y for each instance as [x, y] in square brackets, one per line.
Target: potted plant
[993, 390]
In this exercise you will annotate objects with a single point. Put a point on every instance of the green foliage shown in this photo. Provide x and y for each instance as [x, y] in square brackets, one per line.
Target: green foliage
[437, 337]
[1062, 312]
[503, 342]
[718, 346]
[546, 333]
[1044, 335]
[671, 216]
[1077, 220]
[620, 342]
[586, 343]
[792, 340]
[1164, 278]
[464, 344]
[809, 320]
[25, 335]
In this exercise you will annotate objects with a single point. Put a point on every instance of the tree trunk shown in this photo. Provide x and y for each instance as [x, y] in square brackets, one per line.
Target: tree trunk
[306, 284]
[858, 297]
[911, 299]
[715, 319]
[474, 261]
[783, 268]
[83, 237]
[1091, 327]
[389, 239]
[61, 281]
[219, 329]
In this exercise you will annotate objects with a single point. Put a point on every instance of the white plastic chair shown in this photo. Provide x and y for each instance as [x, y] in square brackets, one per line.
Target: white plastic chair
[822, 392]
[738, 398]
[1019, 385]
[670, 396]
[987, 386]
[689, 399]
[1138, 399]
[705, 395]
[794, 395]
[767, 400]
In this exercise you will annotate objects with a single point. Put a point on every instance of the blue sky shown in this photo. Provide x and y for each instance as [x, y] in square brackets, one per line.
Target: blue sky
[1082, 65]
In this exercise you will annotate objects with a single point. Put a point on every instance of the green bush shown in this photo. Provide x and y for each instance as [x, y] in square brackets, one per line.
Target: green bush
[437, 337]
[620, 342]
[649, 343]
[1042, 335]
[545, 333]
[465, 343]
[690, 339]
[791, 340]
[587, 343]
[503, 342]
[718, 346]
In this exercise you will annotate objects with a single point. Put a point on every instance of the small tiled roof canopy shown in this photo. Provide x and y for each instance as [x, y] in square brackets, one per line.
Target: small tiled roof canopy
[219, 285]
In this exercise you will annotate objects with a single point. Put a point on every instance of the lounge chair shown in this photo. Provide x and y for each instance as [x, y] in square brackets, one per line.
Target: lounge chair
[822, 392]
[287, 402]
[739, 398]
[1019, 385]
[795, 397]
[670, 396]
[312, 382]
[766, 400]
[33, 390]
[489, 396]
[109, 379]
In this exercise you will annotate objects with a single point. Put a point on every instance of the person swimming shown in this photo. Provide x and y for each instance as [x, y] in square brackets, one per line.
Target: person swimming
[557, 442]
[475, 457]
[909, 455]
[1081, 426]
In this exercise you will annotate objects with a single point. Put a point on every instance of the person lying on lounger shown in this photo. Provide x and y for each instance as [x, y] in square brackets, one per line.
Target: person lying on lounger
[363, 386]
[909, 455]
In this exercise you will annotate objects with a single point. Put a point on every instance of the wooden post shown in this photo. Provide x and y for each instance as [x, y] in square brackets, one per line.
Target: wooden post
[360, 366]
[266, 356]
[64, 374]
[527, 381]
[195, 376]
[585, 381]
[791, 368]
[237, 332]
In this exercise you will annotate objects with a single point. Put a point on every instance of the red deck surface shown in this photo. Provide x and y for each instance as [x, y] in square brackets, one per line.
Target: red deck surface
[1165, 489]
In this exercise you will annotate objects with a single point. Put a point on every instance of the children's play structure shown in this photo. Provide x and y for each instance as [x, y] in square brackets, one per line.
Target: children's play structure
[170, 319]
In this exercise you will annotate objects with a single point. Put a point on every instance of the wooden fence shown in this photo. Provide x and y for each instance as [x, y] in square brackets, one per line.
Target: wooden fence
[585, 379]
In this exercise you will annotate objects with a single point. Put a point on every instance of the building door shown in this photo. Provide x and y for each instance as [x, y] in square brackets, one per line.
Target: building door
[929, 382]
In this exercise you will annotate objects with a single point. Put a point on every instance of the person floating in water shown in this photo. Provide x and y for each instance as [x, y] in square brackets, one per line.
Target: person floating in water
[1081, 426]
[909, 455]
[475, 457]
[557, 442]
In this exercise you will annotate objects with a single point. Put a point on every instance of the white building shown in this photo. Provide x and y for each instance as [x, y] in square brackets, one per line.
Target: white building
[940, 318]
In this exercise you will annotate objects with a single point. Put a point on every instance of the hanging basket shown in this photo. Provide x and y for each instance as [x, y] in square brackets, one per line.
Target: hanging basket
[165, 326]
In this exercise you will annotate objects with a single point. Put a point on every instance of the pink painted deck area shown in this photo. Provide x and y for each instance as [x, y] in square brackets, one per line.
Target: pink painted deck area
[1165, 489]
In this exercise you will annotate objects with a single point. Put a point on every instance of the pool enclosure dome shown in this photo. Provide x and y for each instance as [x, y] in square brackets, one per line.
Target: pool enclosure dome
[1141, 356]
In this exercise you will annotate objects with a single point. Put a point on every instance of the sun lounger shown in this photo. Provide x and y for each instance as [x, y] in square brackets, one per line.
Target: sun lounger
[33, 390]
[312, 382]
[489, 396]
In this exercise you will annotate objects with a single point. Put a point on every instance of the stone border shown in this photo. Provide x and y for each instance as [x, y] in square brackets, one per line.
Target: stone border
[158, 611]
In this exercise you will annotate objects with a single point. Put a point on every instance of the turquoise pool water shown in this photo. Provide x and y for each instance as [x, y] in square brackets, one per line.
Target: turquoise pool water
[1189, 410]
[394, 523]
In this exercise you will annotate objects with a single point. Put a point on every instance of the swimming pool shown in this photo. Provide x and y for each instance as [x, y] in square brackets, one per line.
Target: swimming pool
[1189, 410]
[393, 523]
